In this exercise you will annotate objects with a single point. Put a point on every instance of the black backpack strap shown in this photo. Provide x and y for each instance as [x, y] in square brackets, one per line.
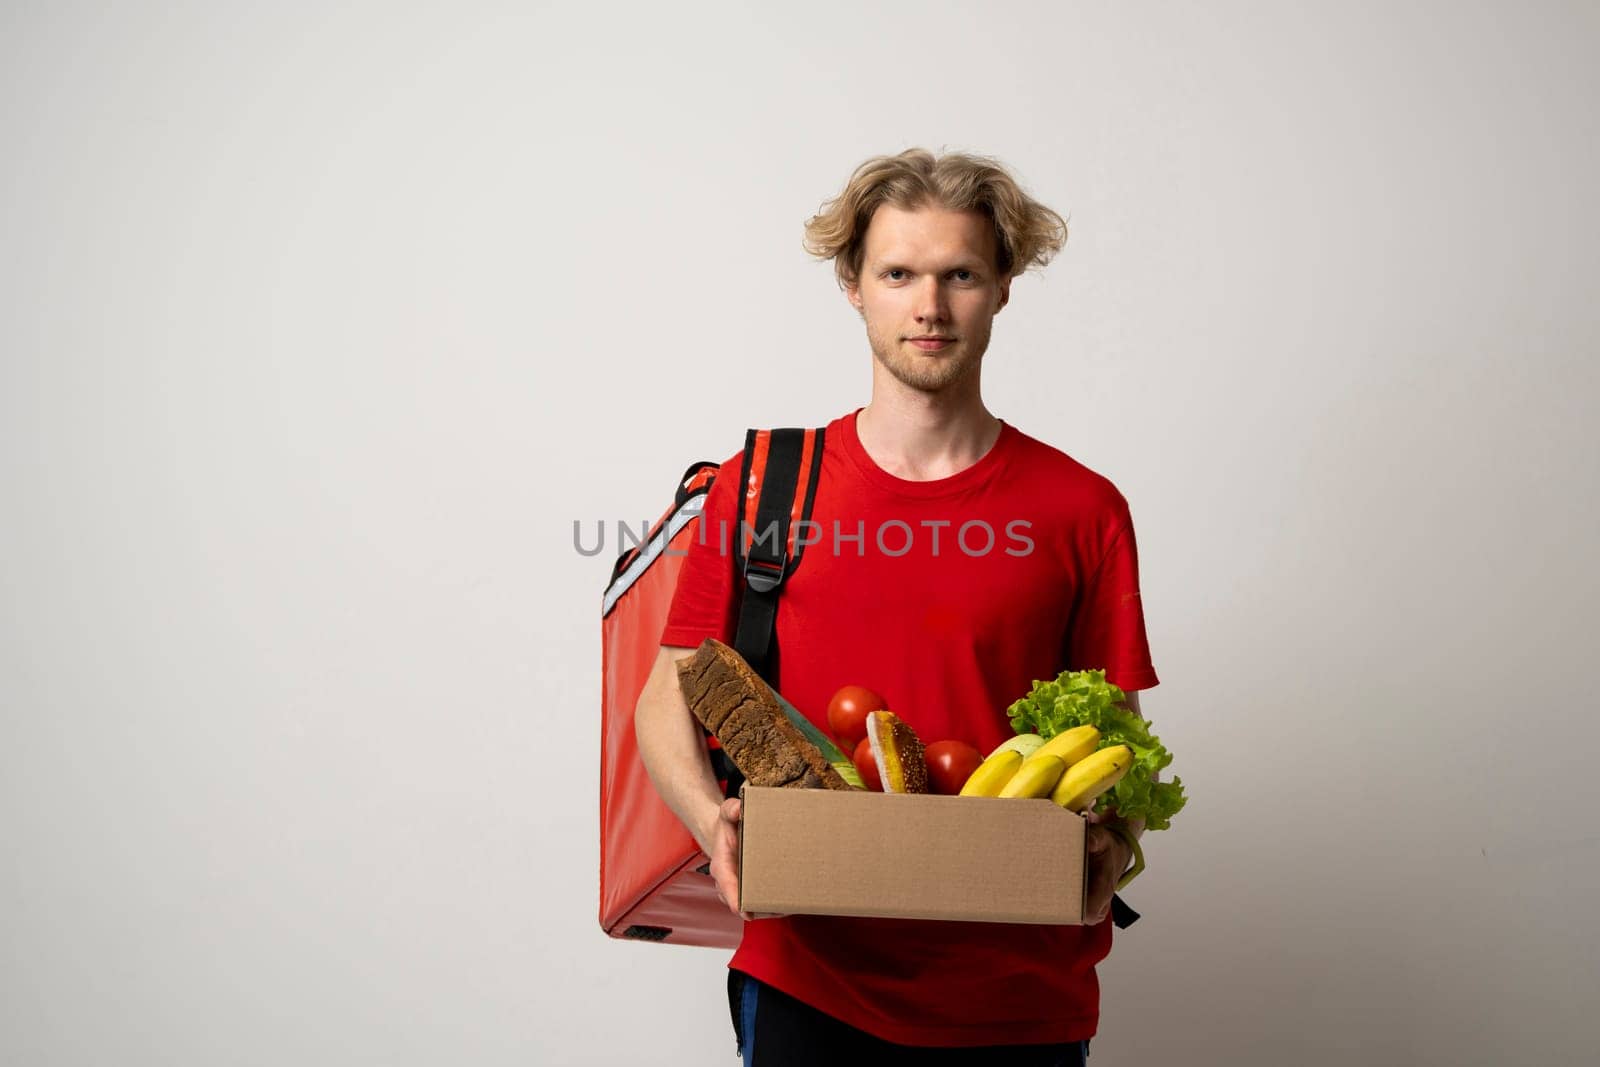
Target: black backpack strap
[766, 559]
[774, 549]
[784, 460]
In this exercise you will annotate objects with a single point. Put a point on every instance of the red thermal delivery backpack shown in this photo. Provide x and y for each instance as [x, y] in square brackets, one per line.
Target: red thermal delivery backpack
[655, 883]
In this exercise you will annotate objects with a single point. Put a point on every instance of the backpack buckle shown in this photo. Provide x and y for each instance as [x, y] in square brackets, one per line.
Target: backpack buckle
[765, 575]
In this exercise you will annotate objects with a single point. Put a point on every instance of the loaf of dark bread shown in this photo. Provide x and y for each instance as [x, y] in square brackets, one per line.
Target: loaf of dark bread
[732, 701]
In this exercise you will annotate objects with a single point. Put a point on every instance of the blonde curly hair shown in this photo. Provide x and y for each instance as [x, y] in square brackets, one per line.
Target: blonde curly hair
[1027, 233]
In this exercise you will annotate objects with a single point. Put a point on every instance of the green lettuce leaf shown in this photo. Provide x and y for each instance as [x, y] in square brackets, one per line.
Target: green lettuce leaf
[1078, 698]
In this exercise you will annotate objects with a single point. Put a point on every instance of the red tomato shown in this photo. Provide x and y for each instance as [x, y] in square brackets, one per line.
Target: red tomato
[847, 713]
[950, 764]
[867, 766]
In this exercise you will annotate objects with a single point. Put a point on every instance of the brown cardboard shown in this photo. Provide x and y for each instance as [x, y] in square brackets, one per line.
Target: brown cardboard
[836, 852]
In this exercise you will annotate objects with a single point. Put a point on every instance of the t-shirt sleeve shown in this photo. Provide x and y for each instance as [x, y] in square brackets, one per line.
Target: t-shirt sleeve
[1107, 630]
[705, 602]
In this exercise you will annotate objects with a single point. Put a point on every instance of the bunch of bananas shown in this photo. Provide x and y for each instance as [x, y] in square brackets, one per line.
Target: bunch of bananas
[1071, 768]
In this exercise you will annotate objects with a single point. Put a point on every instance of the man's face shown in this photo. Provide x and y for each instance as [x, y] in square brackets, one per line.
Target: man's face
[929, 273]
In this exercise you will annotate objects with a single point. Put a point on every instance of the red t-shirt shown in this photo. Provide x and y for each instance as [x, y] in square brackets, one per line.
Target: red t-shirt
[957, 595]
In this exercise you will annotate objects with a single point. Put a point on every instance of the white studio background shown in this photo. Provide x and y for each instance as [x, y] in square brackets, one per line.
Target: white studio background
[322, 323]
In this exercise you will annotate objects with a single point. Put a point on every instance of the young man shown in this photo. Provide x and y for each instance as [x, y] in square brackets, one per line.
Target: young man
[959, 560]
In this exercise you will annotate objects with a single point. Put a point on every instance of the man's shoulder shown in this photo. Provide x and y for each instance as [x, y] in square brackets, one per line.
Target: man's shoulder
[1044, 462]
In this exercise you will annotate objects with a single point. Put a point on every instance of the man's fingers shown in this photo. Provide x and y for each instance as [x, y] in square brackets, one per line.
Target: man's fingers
[726, 877]
[1097, 902]
[730, 904]
[726, 872]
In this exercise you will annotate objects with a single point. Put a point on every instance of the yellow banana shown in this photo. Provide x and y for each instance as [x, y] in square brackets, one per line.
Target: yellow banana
[1035, 778]
[1027, 744]
[993, 774]
[1085, 780]
[1070, 745]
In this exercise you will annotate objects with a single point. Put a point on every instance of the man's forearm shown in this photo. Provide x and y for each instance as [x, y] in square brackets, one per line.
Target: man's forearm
[673, 749]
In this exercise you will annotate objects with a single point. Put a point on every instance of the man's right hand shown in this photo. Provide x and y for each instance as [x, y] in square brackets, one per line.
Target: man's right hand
[673, 748]
[722, 845]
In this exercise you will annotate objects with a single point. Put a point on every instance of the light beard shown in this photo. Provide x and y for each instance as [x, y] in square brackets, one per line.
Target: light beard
[932, 374]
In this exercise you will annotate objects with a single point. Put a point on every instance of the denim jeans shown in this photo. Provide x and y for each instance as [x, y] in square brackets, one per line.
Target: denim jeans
[773, 1029]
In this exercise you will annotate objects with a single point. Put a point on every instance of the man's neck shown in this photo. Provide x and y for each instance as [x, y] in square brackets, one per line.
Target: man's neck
[921, 437]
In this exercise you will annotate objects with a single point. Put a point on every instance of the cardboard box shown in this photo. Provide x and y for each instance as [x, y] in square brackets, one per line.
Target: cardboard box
[984, 859]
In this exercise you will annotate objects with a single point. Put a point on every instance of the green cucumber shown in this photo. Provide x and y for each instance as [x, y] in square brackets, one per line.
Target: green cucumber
[830, 751]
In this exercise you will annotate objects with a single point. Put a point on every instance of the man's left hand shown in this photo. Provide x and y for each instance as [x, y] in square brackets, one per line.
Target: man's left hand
[1108, 857]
